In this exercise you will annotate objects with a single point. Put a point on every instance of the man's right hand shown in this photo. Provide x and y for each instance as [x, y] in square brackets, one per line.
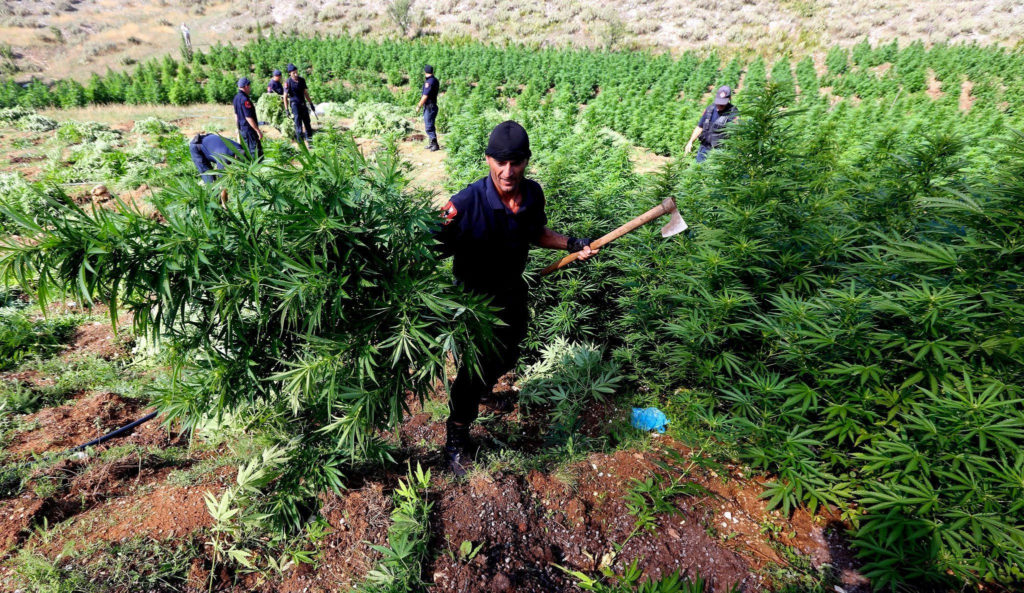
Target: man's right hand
[689, 147]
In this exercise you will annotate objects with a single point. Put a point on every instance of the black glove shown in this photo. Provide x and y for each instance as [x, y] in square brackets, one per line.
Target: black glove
[575, 244]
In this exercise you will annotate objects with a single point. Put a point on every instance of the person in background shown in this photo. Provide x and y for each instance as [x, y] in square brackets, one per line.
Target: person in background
[711, 128]
[274, 85]
[186, 36]
[488, 228]
[296, 97]
[249, 133]
[212, 151]
[428, 103]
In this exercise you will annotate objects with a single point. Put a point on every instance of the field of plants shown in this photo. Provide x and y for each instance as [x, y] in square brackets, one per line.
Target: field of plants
[842, 323]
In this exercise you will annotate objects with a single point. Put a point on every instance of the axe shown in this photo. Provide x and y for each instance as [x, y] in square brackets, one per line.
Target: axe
[675, 225]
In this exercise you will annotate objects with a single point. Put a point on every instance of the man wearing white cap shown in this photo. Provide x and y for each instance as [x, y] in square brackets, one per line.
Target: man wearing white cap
[711, 128]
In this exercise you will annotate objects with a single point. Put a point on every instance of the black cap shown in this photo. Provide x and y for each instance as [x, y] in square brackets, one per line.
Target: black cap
[508, 142]
[291, 68]
[243, 82]
[723, 95]
[276, 72]
[428, 69]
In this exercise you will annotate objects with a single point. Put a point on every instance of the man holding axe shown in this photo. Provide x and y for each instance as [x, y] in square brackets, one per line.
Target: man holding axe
[488, 228]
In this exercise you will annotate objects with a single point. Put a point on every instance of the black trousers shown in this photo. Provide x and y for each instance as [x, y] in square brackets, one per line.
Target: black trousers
[468, 387]
[300, 116]
[251, 141]
[429, 116]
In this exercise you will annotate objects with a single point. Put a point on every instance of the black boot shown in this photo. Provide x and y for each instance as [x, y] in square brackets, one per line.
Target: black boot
[433, 146]
[459, 449]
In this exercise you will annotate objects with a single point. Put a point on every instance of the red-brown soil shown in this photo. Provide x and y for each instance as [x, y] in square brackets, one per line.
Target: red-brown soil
[74, 423]
[527, 523]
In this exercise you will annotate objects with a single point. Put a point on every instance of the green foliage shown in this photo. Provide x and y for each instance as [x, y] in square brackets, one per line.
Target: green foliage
[655, 496]
[856, 348]
[103, 161]
[77, 132]
[402, 560]
[308, 307]
[270, 108]
[23, 335]
[239, 514]
[373, 120]
[23, 197]
[154, 126]
[12, 115]
[843, 313]
[568, 377]
[631, 581]
[138, 564]
[36, 123]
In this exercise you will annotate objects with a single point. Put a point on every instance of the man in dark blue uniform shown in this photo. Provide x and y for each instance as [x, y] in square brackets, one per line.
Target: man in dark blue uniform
[296, 96]
[249, 133]
[488, 228]
[275, 86]
[428, 103]
[211, 151]
[711, 129]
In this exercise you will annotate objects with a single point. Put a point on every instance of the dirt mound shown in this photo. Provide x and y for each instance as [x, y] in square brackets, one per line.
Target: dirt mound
[358, 519]
[97, 339]
[527, 525]
[74, 423]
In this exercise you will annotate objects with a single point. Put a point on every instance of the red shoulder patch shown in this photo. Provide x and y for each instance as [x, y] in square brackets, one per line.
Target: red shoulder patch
[248, 104]
[449, 212]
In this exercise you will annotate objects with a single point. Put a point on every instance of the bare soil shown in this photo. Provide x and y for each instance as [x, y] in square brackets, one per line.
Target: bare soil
[527, 524]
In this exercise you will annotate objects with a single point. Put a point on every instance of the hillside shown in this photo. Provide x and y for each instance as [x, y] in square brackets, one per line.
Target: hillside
[836, 340]
[73, 38]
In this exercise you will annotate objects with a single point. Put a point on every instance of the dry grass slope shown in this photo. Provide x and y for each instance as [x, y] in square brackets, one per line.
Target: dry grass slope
[72, 38]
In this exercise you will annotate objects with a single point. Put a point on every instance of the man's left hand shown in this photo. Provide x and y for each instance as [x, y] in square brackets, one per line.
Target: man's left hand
[581, 246]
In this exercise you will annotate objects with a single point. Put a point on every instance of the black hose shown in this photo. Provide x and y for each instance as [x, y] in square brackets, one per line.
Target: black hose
[114, 434]
[99, 440]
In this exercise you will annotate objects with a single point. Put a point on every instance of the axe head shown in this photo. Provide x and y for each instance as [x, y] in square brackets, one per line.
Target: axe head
[675, 224]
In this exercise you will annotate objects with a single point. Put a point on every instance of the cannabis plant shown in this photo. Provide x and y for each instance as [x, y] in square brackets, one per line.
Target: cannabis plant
[311, 304]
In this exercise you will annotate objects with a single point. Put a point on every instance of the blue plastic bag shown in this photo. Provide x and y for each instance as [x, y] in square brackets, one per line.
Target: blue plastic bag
[649, 419]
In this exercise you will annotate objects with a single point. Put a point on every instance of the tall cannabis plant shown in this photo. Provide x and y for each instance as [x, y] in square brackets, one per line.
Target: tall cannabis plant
[312, 304]
[859, 341]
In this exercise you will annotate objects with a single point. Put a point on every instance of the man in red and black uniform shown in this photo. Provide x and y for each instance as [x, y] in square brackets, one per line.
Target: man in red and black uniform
[296, 97]
[245, 115]
[489, 228]
[428, 103]
[712, 127]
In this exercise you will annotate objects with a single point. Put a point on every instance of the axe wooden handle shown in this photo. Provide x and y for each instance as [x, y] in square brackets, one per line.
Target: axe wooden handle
[658, 211]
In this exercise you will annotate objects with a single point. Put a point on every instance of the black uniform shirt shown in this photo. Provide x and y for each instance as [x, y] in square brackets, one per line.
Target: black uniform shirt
[244, 108]
[712, 123]
[274, 86]
[430, 90]
[490, 243]
[296, 90]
